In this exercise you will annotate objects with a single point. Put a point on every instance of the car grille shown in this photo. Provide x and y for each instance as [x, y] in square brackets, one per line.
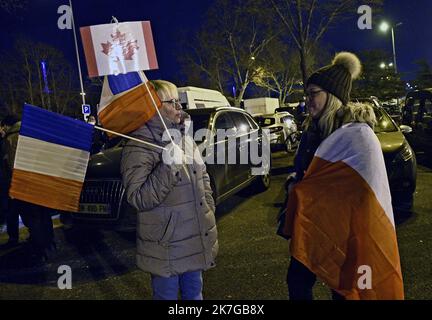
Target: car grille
[102, 192]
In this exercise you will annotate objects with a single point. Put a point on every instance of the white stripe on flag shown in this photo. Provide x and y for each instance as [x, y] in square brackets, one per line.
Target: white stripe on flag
[51, 159]
[357, 145]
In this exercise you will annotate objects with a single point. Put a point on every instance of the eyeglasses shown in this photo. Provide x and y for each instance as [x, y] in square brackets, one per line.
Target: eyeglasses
[174, 102]
[312, 94]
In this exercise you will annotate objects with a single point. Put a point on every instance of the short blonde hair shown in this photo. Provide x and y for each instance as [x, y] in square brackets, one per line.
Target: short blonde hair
[164, 89]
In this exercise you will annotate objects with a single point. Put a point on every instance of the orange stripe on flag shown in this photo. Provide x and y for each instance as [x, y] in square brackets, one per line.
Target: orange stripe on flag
[337, 225]
[151, 52]
[130, 111]
[89, 51]
[48, 191]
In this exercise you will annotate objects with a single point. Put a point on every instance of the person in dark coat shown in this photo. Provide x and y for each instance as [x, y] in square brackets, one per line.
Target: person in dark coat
[9, 128]
[328, 102]
[36, 218]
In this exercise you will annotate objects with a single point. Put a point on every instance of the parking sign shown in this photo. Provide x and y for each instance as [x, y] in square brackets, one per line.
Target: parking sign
[86, 109]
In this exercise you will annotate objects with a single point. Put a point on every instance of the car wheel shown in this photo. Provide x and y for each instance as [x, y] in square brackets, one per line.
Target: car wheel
[263, 181]
[403, 202]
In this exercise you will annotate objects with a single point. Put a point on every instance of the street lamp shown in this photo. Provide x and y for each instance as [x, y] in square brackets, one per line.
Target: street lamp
[384, 28]
[382, 65]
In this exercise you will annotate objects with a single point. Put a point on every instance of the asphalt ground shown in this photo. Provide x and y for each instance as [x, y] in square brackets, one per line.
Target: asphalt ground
[252, 261]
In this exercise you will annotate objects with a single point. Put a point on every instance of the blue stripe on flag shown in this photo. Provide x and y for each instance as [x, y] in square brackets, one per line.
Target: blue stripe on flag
[48, 126]
[123, 82]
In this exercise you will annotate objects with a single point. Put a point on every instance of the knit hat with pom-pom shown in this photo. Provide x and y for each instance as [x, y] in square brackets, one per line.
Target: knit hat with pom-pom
[337, 77]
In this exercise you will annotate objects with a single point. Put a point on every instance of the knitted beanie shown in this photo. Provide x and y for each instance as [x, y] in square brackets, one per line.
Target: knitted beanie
[337, 77]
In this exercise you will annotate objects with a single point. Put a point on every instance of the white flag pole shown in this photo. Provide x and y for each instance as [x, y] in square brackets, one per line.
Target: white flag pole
[77, 55]
[134, 139]
[130, 138]
[157, 110]
[163, 122]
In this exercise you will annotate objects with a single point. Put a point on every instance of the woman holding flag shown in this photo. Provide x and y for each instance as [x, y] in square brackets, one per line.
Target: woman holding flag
[176, 227]
[339, 215]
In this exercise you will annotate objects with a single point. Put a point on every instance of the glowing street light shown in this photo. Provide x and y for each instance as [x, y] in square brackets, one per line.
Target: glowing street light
[382, 65]
[384, 26]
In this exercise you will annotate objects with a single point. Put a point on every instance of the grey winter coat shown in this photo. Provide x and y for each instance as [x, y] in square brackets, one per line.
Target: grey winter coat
[176, 226]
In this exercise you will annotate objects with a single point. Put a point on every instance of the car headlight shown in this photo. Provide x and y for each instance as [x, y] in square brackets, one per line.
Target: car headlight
[405, 154]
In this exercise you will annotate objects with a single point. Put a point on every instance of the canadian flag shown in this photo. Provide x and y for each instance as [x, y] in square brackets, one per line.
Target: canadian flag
[116, 48]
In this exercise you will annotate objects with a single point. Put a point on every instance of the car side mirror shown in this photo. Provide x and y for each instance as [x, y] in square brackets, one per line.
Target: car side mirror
[406, 129]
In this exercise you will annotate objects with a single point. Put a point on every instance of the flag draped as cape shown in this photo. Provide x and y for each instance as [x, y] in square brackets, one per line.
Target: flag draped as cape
[340, 217]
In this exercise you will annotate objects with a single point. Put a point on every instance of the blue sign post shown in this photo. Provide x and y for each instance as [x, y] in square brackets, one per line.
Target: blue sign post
[86, 111]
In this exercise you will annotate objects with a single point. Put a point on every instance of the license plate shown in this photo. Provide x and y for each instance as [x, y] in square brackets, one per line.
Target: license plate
[94, 208]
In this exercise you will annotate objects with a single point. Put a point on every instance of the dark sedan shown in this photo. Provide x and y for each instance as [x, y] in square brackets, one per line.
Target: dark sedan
[103, 200]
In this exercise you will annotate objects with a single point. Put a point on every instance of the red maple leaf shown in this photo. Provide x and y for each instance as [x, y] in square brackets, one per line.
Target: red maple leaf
[118, 36]
[129, 49]
[119, 40]
[106, 47]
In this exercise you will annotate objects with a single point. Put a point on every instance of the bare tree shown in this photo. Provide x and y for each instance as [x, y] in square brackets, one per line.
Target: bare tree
[226, 49]
[308, 20]
[12, 5]
[54, 89]
[278, 70]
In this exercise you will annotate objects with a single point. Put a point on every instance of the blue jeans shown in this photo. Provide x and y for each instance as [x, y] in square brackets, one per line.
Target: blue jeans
[190, 285]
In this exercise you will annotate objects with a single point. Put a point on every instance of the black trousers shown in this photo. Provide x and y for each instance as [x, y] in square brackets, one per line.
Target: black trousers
[38, 220]
[12, 219]
[300, 281]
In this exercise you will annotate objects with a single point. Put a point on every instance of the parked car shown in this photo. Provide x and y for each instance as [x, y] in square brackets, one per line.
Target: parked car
[103, 201]
[283, 130]
[400, 160]
[417, 113]
[391, 107]
[297, 109]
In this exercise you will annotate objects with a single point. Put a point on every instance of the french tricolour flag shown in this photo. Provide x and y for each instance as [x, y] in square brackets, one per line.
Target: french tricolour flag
[51, 159]
[126, 103]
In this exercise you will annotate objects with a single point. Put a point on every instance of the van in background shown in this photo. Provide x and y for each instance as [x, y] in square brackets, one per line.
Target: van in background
[261, 106]
[199, 98]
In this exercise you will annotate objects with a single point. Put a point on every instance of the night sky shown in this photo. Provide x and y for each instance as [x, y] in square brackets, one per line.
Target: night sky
[168, 17]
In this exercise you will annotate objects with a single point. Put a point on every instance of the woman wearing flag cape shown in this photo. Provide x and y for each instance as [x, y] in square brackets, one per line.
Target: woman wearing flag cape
[176, 226]
[339, 215]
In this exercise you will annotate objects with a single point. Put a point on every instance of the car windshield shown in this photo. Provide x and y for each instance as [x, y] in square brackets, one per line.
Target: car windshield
[264, 122]
[384, 122]
[200, 121]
